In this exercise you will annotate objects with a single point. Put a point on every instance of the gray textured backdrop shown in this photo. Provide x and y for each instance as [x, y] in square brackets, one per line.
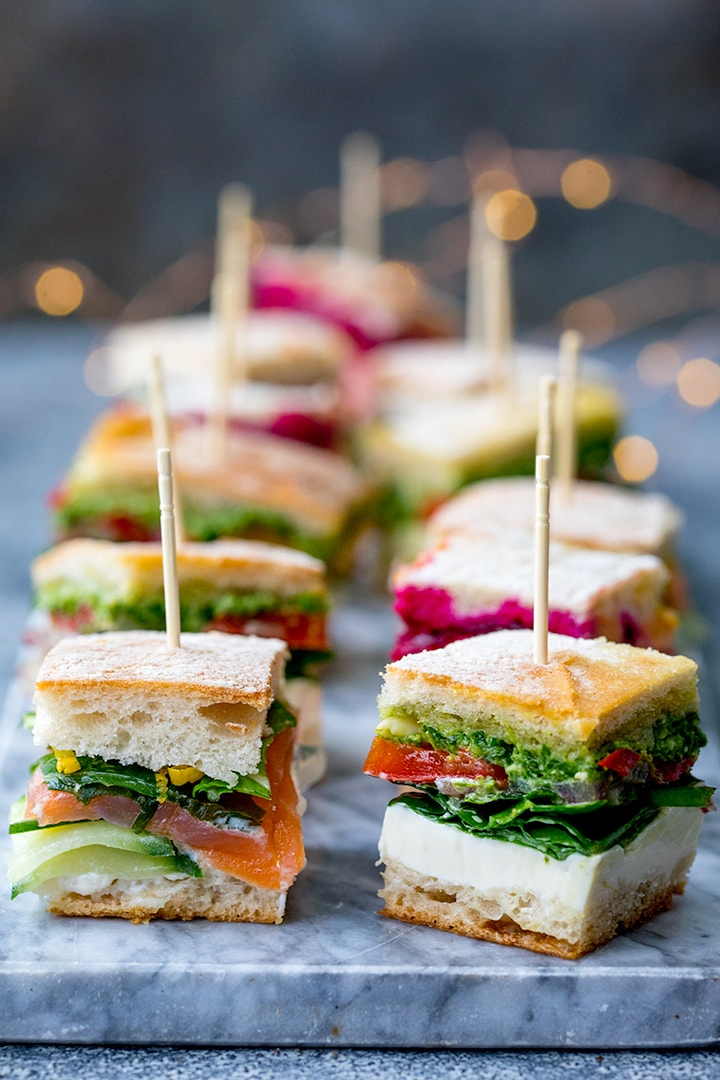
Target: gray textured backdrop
[119, 121]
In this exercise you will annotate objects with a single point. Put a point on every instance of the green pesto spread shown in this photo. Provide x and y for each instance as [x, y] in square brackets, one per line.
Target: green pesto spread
[84, 512]
[199, 605]
[675, 738]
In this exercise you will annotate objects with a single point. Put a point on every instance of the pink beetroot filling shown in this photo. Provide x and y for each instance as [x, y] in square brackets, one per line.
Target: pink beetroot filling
[299, 427]
[432, 622]
[272, 294]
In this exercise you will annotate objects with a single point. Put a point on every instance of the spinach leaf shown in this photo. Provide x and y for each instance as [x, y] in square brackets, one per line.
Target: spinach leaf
[556, 831]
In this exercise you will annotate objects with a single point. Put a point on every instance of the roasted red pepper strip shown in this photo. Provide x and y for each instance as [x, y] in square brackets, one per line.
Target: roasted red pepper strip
[621, 761]
[405, 764]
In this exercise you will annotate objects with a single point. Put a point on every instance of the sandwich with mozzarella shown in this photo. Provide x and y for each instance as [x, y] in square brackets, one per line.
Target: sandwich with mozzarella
[235, 586]
[551, 805]
[466, 585]
[288, 377]
[419, 371]
[166, 789]
[426, 452]
[264, 488]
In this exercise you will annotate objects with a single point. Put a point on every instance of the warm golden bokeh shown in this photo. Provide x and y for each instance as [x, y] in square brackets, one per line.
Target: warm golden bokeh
[59, 291]
[698, 382]
[510, 214]
[494, 180]
[586, 184]
[658, 364]
[594, 318]
[636, 459]
[404, 183]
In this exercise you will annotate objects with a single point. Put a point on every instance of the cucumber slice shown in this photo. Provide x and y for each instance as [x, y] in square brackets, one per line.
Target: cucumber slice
[37, 854]
[96, 859]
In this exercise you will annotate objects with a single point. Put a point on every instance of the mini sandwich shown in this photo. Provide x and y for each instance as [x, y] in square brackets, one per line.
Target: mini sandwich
[467, 585]
[371, 301]
[167, 791]
[552, 805]
[265, 488]
[289, 377]
[596, 515]
[424, 453]
[237, 586]
[413, 372]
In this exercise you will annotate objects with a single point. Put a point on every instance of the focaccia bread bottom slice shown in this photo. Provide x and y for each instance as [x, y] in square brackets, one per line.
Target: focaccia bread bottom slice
[216, 897]
[512, 895]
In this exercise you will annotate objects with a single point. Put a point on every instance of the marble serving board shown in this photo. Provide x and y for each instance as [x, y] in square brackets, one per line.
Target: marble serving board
[336, 973]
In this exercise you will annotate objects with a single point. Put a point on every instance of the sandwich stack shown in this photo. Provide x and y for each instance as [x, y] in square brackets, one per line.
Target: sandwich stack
[167, 789]
[263, 487]
[466, 585]
[552, 801]
[289, 372]
[552, 804]
[234, 586]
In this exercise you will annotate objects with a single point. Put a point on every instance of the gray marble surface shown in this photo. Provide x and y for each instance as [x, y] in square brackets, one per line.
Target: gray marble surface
[335, 974]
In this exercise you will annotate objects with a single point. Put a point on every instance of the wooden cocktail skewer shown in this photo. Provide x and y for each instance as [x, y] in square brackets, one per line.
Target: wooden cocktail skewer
[566, 423]
[229, 303]
[474, 302]
[546, 414]
[542, 558]
[161, 430]
[360, 195]
[497, 307]
[169, 553]
[233, 211]
[546, 403]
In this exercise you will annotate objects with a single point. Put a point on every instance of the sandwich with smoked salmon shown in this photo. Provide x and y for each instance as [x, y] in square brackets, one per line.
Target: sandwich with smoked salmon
[166, 787]
[551, 805]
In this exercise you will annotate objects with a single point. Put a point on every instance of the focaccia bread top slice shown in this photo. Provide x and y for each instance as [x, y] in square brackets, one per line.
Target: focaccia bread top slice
[220, 565]
[128, 697]
[590, 692]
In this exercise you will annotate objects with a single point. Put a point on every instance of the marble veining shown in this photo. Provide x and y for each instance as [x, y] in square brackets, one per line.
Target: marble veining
[336, 973]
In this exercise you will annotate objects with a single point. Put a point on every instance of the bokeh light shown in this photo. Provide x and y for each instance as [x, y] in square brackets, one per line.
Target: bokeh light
[59, 291]
[636, 458]
[594, 318]
[586, 184]
[658, 364]
[510, 214]
[97, 372]
[404, 183]
[494, 180]
[698, 382]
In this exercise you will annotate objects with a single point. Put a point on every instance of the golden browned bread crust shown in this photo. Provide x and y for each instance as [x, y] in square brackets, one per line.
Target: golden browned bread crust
[208, 668]
[226, 565]
[279, 346]
[588, 691]
[596, 515]
[313, 487]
